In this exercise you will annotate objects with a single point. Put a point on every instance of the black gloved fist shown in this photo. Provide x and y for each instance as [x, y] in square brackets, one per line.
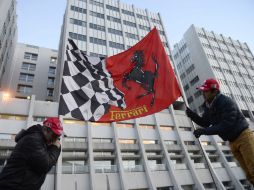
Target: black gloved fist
[198, 132]
[189, 112]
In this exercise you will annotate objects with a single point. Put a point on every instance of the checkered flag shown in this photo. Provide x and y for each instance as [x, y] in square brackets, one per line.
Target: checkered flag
[87, 89]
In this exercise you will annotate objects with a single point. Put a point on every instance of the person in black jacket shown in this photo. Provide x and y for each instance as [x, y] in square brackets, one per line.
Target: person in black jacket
[36, 151]
[222, 117]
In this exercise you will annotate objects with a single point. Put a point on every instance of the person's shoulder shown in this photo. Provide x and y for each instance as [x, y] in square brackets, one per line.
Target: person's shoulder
[34, 132]
[226, 100]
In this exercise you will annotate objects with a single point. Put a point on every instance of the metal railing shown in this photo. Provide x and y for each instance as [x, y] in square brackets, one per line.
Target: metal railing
[158, 167]
[105, 168]
[75, 169]
[136, 168]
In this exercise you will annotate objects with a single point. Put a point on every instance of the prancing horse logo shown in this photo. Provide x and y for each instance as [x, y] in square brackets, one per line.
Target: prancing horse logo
[144, 78]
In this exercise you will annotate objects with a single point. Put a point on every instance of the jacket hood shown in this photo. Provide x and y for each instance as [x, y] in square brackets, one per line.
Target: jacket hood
[30, 130]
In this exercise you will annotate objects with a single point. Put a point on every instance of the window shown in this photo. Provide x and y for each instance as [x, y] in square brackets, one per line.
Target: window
[189, 69]
[25, 89]
[97, 27]
[127, 141]
[77, 36]
[186, 87]
[97, 3]
[150, 142]
[182, 76]
[169, 142]
[112, 8]
[28, 66]
[162, 32]
[50, 92]
[95, 14]
[194, 80]
[26, 77]
[124, 125]
[77, 22]
[52, 70]
[189, 142]
[128, 23]
[98, 41]
[144, 27]
[155, 20]
[166, 128]
[205, 143]
[147, 126]
[53, 60]
[114, 31]
[142, 17]
[94, 124]
[182, 128]
[102, 140]
[92, 54]
[130, 35]
[114, 19]
[51, 81]
[31, 56]
[116, 45]
[78, 9]
[127, 12]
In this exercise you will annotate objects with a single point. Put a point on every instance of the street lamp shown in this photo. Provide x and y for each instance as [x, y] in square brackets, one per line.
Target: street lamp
[6, 96]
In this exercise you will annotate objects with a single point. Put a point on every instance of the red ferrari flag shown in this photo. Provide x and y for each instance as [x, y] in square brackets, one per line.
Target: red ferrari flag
[131, 84]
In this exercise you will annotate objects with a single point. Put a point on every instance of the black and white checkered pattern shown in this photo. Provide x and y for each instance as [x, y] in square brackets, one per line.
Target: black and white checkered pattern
[87, 89]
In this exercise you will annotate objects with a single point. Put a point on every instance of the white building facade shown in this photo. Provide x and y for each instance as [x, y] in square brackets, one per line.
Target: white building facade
[8, 38]
[33, 72]
[202, 54]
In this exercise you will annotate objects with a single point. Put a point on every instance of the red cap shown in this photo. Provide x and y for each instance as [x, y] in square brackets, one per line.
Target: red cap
[209, 84]
[54, 124]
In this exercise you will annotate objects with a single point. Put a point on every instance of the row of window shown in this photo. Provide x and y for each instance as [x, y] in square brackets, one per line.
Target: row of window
[34, 57]
[227, 42]
[231, 72]
[99, 15]
[231, 62]
[24, 77]
[31, 67]
[27, 89]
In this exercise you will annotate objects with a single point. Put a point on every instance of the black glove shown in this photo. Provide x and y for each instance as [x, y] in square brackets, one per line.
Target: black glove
[189, 112]
[198, 132]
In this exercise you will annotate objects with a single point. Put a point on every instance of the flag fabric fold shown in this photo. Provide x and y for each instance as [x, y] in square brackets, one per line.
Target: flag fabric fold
[131, 84]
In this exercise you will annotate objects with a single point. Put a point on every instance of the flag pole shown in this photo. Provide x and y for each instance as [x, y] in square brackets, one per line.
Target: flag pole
[193, 125]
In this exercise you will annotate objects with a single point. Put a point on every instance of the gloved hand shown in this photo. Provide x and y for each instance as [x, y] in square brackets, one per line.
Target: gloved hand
[57, 143]
[198, 132]
[189, 112]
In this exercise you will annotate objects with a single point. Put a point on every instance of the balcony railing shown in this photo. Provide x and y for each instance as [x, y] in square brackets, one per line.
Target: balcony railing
[217, 165]
[199, 165]
[75, 169]
[136, 168]
[232, 164]
[158, 167]
[105, 169]
[180, 166]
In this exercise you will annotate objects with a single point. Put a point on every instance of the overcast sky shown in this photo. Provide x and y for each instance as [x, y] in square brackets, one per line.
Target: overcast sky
[39, 22]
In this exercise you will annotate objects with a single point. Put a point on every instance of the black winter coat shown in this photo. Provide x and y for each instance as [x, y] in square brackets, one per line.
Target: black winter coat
[29, 162]
[223, 118]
